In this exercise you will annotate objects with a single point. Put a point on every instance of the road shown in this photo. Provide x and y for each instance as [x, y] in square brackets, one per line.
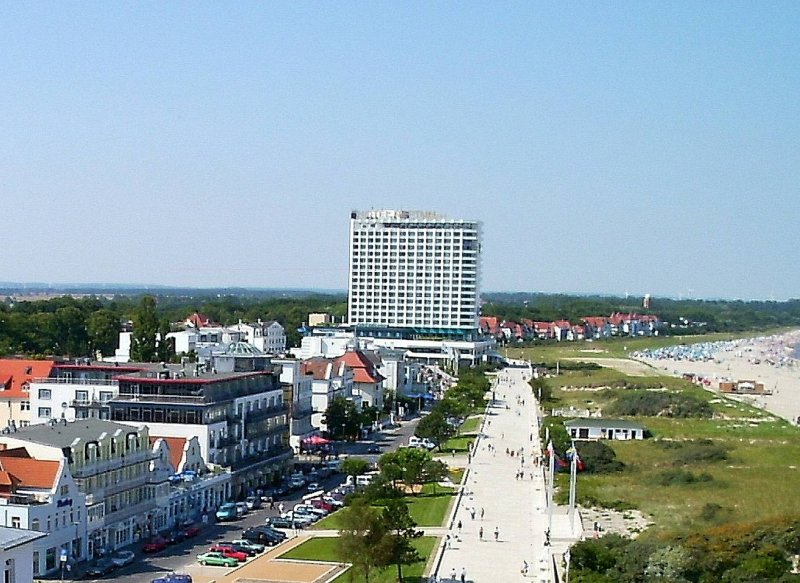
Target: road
[178, 557]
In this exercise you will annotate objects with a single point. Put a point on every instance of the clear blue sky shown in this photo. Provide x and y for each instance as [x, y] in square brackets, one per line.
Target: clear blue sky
[640, 146]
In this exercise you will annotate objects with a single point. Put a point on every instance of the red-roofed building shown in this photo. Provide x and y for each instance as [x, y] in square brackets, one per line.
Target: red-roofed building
[544, 330]
[367, 381]
[597, 327]
[41, 495]
[331, 378]
[198, 320]
[562, 330]
[15, 378]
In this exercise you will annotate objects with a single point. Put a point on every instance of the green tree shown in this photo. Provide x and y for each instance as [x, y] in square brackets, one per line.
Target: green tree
[342, 418]
[407, 464]
[434, 471]
[166, 346]
[361, 534]
[102, 327]
[541, 389]
[145, 331]
[435, 427]
[396, 546]
[354, 466]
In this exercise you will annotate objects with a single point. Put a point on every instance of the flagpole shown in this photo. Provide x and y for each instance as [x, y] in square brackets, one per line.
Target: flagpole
[551, 472]
[573, 479]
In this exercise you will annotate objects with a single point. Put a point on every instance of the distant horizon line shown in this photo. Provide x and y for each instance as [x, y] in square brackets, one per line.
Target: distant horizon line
[139, 287]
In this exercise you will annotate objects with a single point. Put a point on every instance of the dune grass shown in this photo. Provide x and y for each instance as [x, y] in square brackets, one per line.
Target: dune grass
[759, 478]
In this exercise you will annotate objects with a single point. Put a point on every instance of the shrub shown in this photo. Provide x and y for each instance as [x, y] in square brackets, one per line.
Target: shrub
[701, 451]
[652, 404]
[681, 477]
[599, 457]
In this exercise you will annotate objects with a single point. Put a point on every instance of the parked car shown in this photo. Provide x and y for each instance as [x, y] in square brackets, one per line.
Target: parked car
[101, 567]
[155, 545]
[335, 502]
[262, 535]
[236, 547]
[229, 551]
[374, 449]
[175, 537]
[122, 558]
[279, 522]
[173, 578]
[313, 487]
[253, 502]
[190, 530]
[217, 559]
[227, 512]
[310, 509]
[321, 503]
[244, 543]
[241, 508]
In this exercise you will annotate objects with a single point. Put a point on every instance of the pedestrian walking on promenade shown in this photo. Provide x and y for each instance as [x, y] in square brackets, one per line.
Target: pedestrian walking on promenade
[472, 513]
[480, 533]
[496, 533]
[459, 527]
[482, 512]
[463, 575]
[453, 574]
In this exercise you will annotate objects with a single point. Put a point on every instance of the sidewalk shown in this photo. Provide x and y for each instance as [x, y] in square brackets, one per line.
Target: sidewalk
[515, 507]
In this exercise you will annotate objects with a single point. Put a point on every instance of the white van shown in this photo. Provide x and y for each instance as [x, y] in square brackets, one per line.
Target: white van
[362, 480]
[423, 442]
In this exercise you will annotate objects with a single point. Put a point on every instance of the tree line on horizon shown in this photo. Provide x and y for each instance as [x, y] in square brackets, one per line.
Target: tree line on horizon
[706, 315]
[81, 327]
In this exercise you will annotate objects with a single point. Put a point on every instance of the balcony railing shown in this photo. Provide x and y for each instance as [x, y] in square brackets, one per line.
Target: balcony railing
[77, 381]
[93, 403]
[123, 485]
[93, 468]
[145, 398]
[127, 511]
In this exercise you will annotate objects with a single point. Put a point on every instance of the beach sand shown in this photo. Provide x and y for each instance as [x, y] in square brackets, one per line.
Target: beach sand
[768, 360]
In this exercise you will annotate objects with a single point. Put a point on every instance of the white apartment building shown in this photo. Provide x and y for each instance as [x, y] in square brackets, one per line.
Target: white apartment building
[297, 391]
[413, 274]
[41, 495]
[268, 337]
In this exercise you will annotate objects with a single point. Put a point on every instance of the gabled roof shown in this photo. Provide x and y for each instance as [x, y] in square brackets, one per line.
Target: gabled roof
[176, 446]
[29, 472]
[199, 320]
[17, 373]
[317, 367]
[363, 369]
[563, 324]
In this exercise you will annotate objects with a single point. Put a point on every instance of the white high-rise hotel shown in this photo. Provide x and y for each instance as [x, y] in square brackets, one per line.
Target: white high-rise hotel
[414, 275]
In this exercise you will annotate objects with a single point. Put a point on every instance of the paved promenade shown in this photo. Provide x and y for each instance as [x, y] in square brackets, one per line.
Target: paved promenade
[510, 510]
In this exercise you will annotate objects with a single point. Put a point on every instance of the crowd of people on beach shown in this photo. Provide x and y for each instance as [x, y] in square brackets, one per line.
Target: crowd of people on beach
[778, 351]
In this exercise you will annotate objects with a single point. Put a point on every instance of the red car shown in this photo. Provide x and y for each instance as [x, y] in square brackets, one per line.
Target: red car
[320, 503]
[191, 530]
[229, 552]
[155, 545]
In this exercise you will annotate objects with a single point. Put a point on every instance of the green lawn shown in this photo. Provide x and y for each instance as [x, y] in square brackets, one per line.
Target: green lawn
[467, 433]
[427, 509]
[326, 549]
